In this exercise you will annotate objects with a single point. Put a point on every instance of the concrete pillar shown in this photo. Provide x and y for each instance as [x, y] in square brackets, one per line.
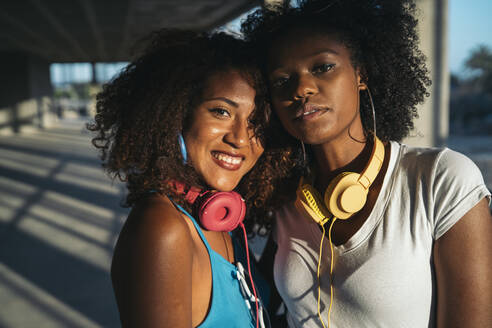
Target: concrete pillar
[431, 128]
[26, 92]
[94, 73]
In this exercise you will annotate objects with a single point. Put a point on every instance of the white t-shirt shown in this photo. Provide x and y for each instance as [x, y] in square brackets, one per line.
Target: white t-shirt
[383, 275]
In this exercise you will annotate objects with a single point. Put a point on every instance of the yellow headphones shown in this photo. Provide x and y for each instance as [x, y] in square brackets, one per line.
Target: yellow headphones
[345, 195]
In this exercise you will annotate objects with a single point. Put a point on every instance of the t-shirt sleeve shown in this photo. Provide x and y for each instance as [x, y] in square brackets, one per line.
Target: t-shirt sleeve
[457, 186]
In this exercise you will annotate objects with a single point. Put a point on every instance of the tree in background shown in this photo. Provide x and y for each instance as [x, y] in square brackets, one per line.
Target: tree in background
[471, 98]
[76, 98]
[480, 60]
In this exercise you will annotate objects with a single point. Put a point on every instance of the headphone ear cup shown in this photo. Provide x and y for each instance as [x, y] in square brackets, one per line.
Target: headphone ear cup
[344, 196]
[221, 211]
[309, 203]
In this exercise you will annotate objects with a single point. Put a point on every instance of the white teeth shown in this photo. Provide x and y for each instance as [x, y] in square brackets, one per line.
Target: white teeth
[227, 159]
[307, 113]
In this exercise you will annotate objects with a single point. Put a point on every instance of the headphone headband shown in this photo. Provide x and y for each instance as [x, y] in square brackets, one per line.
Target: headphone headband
[345, 195]
[370, 172]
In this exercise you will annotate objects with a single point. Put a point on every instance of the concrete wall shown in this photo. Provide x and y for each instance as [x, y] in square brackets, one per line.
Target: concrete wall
[25, 93]
[431, 128]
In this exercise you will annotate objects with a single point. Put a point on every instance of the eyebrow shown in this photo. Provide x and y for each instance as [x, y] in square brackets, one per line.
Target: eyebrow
[328, 50]
[226, 100]
[321, 52]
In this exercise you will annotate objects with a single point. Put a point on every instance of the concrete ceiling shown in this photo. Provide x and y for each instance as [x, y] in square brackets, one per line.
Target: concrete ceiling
[102, 30]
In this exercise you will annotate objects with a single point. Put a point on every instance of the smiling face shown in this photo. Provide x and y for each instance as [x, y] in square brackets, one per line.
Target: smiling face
[220, 142]
[315, 88]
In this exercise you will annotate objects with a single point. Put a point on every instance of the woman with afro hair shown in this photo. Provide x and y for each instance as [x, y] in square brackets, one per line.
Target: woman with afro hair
[376, 233]
[184, 126]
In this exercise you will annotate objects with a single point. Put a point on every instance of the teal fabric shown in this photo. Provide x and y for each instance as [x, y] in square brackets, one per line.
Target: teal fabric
[262, 287]
[228, 307]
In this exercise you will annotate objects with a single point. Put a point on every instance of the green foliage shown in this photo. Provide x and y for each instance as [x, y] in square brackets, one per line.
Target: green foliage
[455, 80]
[77, 91]
[471, 98]
[65, 92]
[480, 60]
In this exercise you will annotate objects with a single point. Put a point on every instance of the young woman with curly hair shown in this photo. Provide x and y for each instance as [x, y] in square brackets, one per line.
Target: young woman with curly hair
[409, 231]
[188, 115]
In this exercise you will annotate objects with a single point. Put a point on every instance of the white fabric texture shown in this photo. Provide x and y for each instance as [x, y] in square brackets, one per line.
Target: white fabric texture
[383, 275]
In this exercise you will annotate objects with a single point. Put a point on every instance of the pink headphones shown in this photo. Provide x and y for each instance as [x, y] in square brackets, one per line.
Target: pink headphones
[219, 211]
[216, 210]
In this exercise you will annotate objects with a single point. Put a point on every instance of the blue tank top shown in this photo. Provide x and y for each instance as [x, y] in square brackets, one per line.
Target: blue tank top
[228, 306]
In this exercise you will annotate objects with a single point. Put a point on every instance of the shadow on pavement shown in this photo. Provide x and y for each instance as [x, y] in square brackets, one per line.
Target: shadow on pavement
[59, 220]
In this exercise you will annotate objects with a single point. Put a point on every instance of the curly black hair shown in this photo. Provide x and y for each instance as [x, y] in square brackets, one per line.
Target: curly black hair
[381, 37]
[140, 113]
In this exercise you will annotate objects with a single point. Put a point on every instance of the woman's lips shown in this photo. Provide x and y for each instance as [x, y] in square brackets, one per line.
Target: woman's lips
[309, 112]
[307, 116]
[227, 161]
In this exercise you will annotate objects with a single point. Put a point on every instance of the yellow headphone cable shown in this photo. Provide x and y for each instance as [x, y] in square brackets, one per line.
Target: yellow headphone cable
[331, 270]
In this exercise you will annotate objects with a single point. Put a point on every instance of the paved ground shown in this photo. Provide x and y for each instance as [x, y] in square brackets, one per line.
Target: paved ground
[59, 218]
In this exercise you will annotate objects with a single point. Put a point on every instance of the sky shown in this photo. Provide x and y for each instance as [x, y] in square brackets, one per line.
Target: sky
[469, 24]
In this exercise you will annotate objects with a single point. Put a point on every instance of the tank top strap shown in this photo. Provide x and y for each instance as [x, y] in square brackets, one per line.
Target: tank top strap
[195, 223]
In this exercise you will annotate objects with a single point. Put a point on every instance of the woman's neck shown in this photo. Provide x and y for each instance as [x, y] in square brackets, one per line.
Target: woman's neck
[347, 156]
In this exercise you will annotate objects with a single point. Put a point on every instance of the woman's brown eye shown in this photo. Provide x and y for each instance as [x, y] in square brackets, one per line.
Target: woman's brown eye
[220, 111]
[279, 82]
[323, 68]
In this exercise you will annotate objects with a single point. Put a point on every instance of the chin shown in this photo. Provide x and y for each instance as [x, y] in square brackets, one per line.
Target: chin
[223, 185]
[223, 188]
[316, 136]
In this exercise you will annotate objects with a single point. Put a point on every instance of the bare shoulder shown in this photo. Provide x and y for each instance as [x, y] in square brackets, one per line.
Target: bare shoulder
[150, 235]
[155, 220]
[152, 266]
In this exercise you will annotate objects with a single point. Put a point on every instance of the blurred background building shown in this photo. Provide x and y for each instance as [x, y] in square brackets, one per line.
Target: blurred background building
[59, 213]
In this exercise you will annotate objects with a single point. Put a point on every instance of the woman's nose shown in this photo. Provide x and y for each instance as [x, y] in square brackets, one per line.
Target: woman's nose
[239, 134]
[305, 87]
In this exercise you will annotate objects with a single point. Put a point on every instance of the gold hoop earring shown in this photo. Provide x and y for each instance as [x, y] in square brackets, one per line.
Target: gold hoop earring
[305, 163]
[373, 111]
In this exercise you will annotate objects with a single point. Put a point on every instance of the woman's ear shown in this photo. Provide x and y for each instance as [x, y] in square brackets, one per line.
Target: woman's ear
[361, 79]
